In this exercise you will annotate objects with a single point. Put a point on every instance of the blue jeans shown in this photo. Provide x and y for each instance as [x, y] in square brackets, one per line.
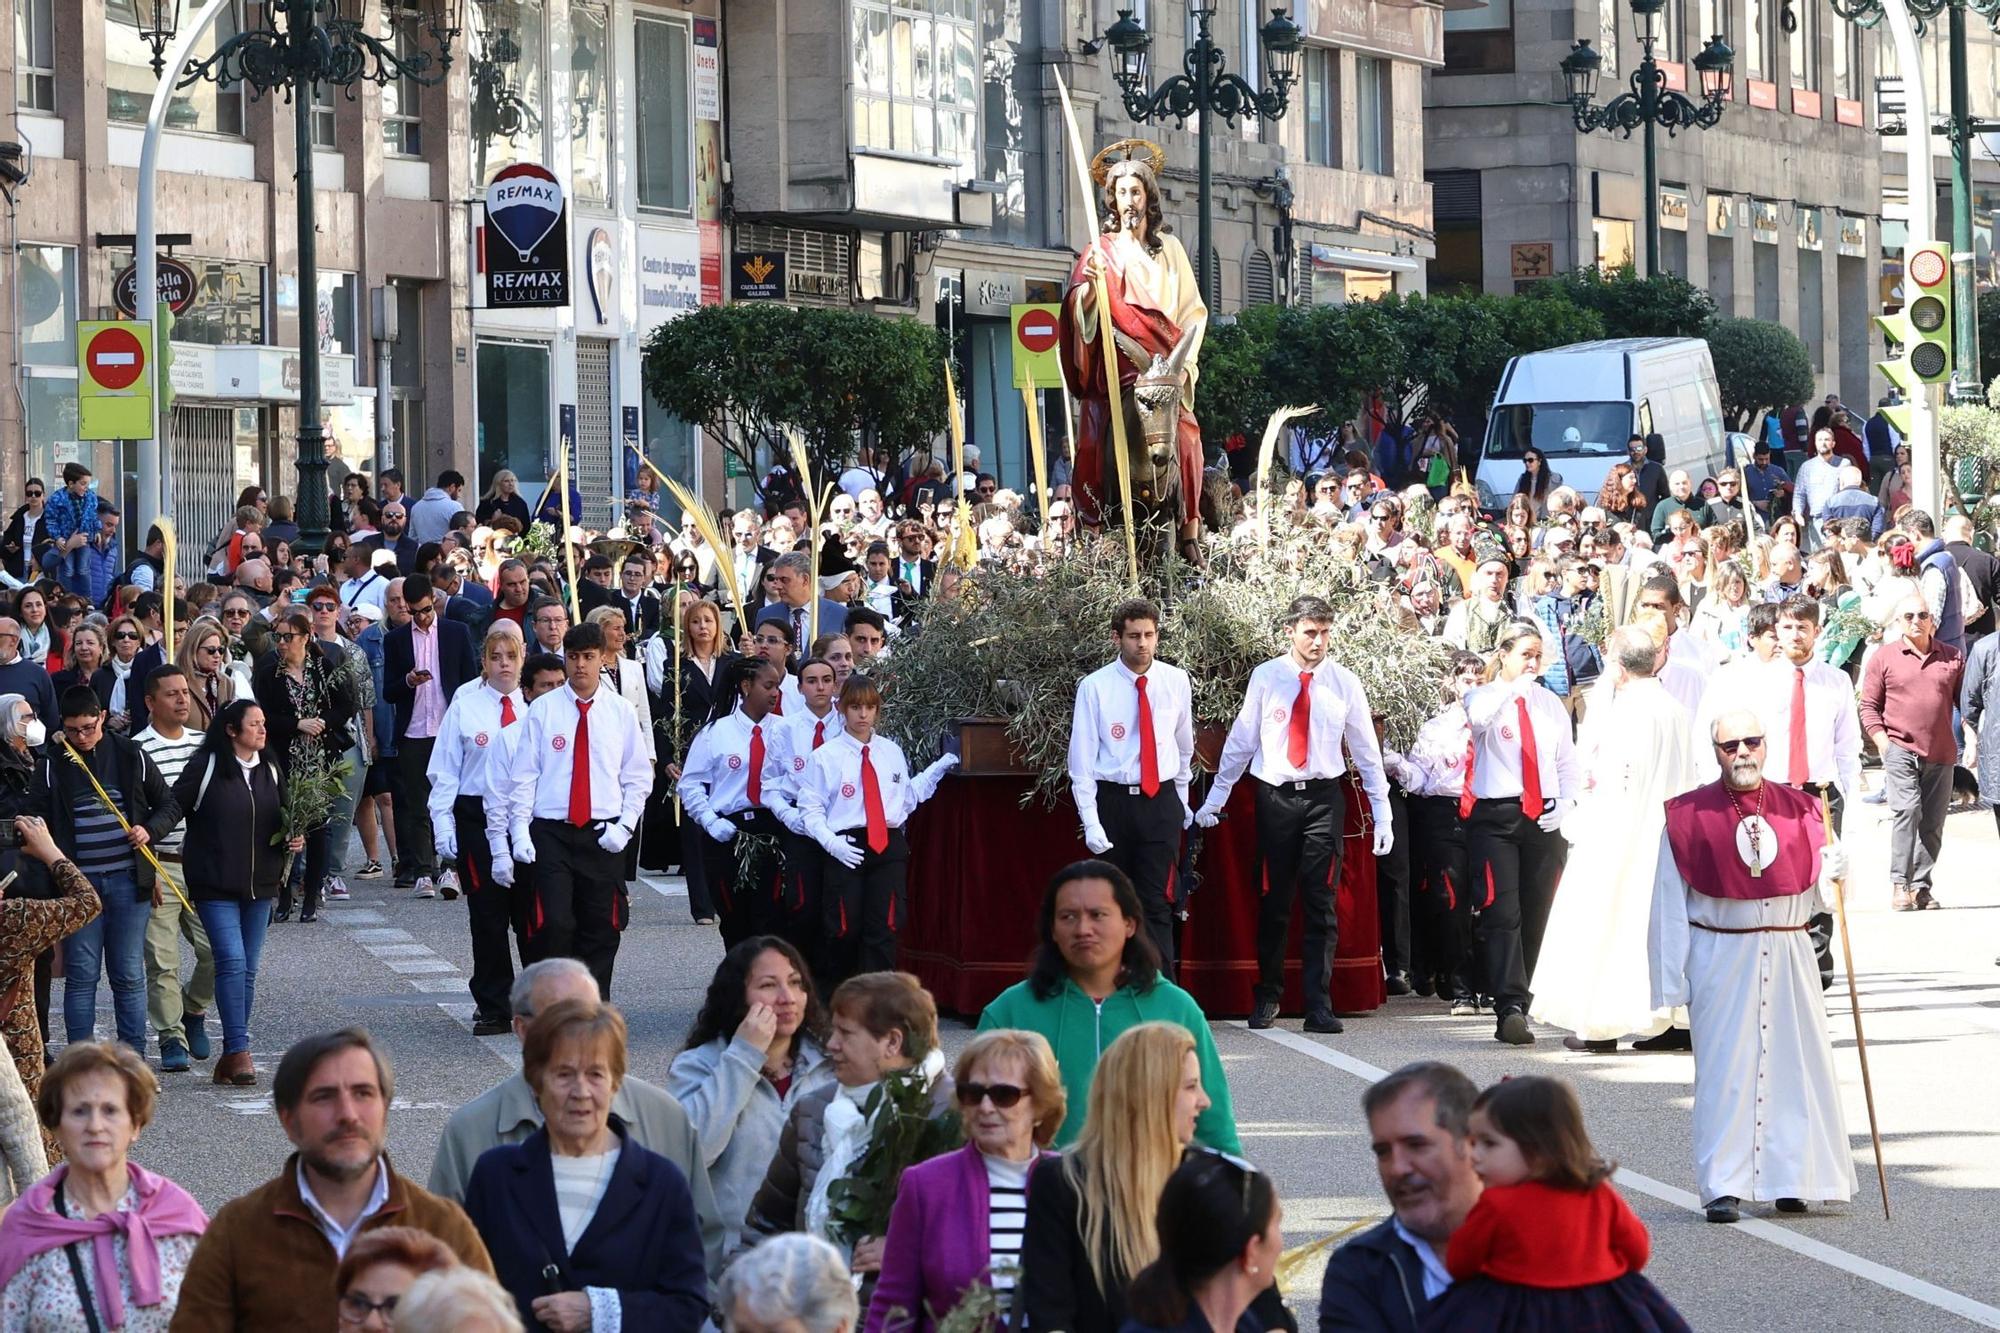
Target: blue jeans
[114, 944]
[236, 930]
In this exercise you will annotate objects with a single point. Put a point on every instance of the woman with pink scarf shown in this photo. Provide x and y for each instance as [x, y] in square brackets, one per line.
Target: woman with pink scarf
[99, 1243]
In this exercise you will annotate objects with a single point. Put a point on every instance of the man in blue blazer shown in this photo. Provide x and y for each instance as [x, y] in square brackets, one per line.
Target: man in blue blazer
[423, 664]
[797, 587]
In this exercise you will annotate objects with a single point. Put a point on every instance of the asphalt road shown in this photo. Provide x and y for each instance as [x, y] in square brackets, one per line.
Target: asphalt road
[1930, 995]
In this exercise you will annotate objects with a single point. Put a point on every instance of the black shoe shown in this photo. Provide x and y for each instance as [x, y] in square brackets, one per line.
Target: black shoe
[1399, 983]
[1576, 1043]
[1324, 1023]
[1513, 1029]
[1423, 986]
[1266, 1015]
[1791, 1205]
[484, 1025]
[1673, 1039]
[1724, 1209]
[1924, 900]
[282, 914]
[307, 918]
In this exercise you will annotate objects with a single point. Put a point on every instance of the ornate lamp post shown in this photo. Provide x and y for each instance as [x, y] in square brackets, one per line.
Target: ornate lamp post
[1649, 105]
[1204, 89]
[299, 46]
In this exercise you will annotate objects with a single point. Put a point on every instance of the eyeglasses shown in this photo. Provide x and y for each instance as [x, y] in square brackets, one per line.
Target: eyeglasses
[1741, 743]
[356, 1308]
[1005, 1096]
[1915, 617]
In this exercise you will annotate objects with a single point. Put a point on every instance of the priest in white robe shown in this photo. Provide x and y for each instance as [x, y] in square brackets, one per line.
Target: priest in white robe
[1591, 976]
[1741, 866]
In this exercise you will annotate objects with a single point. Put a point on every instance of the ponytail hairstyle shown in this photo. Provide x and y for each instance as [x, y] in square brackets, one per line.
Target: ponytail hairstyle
[1212, 1207]
[1544, 1118]
[1513, 633]
[729, 685]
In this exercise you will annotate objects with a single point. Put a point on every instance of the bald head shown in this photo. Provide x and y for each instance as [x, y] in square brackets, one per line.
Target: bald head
[1635, 651]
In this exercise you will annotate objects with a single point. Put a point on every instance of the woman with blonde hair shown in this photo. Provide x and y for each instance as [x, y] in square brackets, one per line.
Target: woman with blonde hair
[503, 497]
[704, 652]
[1092, 1212]
[456, 1300]
[203, 654]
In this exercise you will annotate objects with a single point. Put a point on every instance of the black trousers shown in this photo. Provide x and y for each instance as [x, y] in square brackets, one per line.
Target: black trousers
[1440, 899]
[1145, 833]
[1515, 865]
[694, 864]
[1819, 926]
[802, 909]
[1392, 889]
[1298, 835]
[490, 908]
[413, 812]
[863, 908]
[750, 895]
[580, 892]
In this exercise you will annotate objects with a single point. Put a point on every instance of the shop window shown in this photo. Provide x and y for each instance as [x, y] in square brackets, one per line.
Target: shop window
[513, 410]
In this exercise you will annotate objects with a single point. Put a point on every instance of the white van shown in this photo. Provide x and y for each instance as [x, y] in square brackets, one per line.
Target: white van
[1578, 405]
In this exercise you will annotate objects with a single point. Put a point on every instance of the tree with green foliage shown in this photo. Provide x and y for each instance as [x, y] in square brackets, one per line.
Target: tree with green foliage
[1989, 336]
[1759, 367]
[1664, 305]
[751, 373]
[1235, 393]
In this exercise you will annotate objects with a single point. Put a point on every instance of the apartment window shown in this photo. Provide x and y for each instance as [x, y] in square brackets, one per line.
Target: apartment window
[201, 108]
[1668, 41]
[1481, 40]
[1804, 47]
[666, 128]
[322, 117]
[915, 77]
[1847, 62]
[1714, 18]
[402, 131]
[1760, 53]
[508, 70]
[590, 102]
[1371, 115]
[35, 55]
[1607, 34]
[1323, 106]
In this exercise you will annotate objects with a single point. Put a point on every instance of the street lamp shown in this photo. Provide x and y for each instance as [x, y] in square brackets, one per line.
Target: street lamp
[299, 46]
[1203, 89]
[1649, 105]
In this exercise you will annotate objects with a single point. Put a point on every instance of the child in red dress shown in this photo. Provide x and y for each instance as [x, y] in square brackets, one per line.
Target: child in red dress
[1550, 1245]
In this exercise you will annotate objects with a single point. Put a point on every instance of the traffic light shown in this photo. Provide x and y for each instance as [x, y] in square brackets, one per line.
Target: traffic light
[1922, 328]
[163, 369]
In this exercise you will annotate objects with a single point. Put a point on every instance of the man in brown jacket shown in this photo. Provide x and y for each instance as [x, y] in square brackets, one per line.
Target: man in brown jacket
[268, 1258]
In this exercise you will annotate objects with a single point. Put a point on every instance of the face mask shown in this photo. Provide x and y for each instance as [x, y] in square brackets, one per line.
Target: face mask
[34, 733]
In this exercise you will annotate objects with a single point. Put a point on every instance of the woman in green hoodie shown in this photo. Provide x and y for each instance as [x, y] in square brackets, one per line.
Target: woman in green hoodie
[1094, 975]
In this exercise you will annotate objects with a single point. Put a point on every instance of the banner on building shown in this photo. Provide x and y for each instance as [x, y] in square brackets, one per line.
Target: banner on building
[757, 275]
[707, 71]
[526, 241]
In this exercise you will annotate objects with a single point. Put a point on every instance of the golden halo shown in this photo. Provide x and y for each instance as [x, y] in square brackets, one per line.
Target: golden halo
[1127, 150]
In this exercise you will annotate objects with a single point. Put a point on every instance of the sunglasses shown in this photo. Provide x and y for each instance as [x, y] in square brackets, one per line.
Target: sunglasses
[35, 495]
[1005, 1096]
[1916, 616]
[215, 648]
[1244, 1170]
[1741, 743]
[125, 634]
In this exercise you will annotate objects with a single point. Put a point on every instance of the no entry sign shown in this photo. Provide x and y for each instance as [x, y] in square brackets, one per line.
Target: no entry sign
[1037, 330]
[115, 358]
[114, 382]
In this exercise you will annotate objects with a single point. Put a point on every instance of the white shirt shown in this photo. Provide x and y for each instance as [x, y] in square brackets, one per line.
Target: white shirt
[336, 1235]
[371, 589]
[1496, 761]
[715, 779]
[1260, 738]
[620, 774]
[467, 740]
[1104, 737]
[631, 686]
[746, 572]
[1833, 724]
[801, 726]
[830, 795]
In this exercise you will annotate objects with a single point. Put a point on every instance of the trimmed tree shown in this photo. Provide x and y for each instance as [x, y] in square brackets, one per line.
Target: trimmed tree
[1759, 366]
[1664, 305]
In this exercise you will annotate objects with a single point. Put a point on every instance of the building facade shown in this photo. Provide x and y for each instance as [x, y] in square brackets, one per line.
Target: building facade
[1776, 211]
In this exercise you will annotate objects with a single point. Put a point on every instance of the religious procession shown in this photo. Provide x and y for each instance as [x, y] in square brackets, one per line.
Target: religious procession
[1393, 814]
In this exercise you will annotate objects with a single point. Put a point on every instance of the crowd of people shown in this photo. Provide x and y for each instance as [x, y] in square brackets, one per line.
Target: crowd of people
[1697, 660]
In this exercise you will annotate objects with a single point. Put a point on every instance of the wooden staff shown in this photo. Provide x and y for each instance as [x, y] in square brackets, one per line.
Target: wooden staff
[104, 799]
[1854, 998]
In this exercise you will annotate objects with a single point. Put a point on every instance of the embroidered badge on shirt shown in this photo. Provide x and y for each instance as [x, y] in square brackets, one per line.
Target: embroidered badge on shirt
[1117, 731]
[480, 740]
[558, 742]
[735, 762]
[847, 790]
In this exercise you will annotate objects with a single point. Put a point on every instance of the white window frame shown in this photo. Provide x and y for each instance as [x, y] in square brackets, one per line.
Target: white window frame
[686, 25]
[607, 63]
[399, 18]
[34, 85]
[928, 11]
[1380, 91]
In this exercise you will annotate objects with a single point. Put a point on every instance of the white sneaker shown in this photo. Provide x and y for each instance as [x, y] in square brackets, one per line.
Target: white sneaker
[425, 888]
[336, 890]
[447, 884]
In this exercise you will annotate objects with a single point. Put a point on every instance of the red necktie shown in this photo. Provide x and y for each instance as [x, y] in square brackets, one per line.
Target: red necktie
[756, 789]
[1149, 747]
[579, 767]
[1796, 770]
[1531, 762]
[1302, 711]
[506, 711]
[778, 708]
[871, 802]
[819, 733]
[1465, 797]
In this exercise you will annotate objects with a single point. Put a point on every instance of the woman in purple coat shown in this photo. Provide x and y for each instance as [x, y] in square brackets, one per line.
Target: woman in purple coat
[959, 1218]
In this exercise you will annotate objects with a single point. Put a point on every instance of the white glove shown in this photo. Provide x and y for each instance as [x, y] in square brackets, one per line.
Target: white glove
[1095, 841]
[524, 844]
[614, 838]
[793, 821]
[942, 765]
[844, 850]
[503, 871]
[445, 838]
[1385, 838]
[1187, 817]
[1553, 814]
[1832, 865]
[1208, 816]
[719, 828]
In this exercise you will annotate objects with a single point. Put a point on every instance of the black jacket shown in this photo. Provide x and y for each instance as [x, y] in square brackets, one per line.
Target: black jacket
[21, 563]
[120, 765]
[281, 721]
[227, 852]
[458, 662]
[1373, 1284]
[31, 682]
[1984, 572]
[513, 506]
[101, 680]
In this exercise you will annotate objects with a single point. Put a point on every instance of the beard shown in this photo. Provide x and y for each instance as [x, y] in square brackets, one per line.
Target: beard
[1743, 773]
